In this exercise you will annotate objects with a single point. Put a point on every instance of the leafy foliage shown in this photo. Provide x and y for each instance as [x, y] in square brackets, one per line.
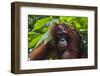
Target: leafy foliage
[38, 29]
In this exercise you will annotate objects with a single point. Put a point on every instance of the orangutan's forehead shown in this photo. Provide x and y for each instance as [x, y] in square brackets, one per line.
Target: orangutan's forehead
[60, 27]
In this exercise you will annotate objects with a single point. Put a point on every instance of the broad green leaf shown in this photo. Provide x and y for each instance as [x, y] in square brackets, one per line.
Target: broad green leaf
[83, 30]
[44, 38]
[61, 19]
[31, 33]
[34, 42]
[40, 23]
[78, 25]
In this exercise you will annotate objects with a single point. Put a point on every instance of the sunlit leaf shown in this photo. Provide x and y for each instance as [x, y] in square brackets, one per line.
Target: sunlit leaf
[40, 23]
[34, 42]
[44, 38]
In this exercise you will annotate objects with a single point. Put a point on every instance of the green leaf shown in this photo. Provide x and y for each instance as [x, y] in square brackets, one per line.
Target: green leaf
[61, 19]
[78, 25]
[40, 23]
[45, 37]
[34, 42]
